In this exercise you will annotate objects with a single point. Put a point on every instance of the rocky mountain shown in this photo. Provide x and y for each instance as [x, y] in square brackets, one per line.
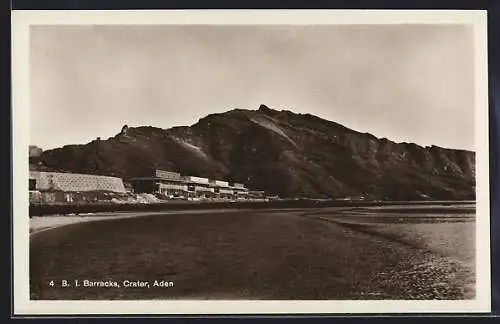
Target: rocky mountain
[293, 155]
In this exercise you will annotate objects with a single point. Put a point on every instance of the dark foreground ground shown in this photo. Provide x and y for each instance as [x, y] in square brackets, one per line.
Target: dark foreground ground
[321, 253]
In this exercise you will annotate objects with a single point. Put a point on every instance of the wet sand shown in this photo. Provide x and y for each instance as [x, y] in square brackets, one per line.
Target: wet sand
[262, 254]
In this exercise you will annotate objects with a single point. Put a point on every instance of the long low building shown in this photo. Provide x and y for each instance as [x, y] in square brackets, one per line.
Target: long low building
[173, 184]
[60, 187]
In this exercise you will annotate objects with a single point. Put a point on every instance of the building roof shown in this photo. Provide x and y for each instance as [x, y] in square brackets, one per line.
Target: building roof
[156, 179]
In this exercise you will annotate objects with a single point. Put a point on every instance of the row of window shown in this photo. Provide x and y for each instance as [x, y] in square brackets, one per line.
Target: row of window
[193, 188]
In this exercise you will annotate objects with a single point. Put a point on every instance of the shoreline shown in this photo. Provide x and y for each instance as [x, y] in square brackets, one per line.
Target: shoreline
[66, 209]
[44, 223]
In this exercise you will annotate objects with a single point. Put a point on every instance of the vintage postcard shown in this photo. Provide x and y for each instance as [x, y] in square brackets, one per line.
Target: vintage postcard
[250, 162]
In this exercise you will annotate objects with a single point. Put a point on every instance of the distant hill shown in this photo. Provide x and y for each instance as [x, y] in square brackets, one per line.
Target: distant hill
[35, 151]
[293, 155]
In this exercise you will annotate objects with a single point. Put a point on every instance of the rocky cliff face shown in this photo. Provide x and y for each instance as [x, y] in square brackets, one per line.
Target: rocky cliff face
[293, 155]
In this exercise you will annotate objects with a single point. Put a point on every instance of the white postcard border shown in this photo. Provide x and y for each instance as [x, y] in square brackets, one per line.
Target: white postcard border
[21, 20]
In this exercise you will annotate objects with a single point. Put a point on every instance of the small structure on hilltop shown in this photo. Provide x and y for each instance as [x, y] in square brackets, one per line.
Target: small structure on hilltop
[124, 129]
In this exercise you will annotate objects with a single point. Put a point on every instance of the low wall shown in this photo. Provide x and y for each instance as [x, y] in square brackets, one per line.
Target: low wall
[40, 210]
[58, 181]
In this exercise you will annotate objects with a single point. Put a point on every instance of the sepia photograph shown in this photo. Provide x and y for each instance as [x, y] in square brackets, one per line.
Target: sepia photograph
[251, 162]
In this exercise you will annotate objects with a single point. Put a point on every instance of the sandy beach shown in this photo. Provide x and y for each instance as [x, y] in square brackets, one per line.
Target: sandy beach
[256, 254]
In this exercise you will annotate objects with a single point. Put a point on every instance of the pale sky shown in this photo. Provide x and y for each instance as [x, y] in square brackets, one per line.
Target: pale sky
[411, 83]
